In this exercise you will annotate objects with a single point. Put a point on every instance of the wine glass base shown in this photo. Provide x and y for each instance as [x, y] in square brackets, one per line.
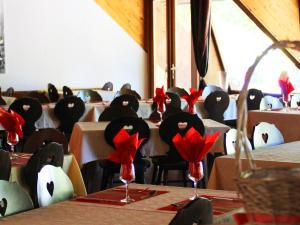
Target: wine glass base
[194, 197]
[127, 200]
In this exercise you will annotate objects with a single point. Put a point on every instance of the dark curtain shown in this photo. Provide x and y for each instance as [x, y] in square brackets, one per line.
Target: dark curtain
[201, 27]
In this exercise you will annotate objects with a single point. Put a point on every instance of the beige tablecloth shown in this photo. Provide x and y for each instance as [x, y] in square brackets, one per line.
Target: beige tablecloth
[87, 141]
[142, 212]
[287, 122]
[224, 168]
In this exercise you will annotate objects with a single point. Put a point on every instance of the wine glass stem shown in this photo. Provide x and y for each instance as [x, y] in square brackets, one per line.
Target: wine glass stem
[126, 189]
[12, 149]
[195, 188]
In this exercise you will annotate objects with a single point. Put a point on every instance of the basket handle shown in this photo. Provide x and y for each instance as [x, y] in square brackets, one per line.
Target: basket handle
[242, 106]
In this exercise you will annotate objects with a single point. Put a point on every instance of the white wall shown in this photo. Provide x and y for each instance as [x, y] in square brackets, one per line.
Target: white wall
[68, 42]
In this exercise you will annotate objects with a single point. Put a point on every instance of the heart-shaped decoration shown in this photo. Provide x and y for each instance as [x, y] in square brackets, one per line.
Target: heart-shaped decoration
[70, 105]
[26, 107]
[108, 89]
[233, 142]
[3, 206]
[168, 101]
[252, 97]
[50, 187]
[130, 127]
[218, 99]
[182, 125]
[270, 105]
[125, 103]
[265, 137]
[298, 103]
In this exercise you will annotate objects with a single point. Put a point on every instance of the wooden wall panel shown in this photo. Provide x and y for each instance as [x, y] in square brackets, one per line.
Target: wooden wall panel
[129, 14]
[277, 18]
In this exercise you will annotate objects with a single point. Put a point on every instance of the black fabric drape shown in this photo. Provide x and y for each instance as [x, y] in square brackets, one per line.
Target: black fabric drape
[201, 27]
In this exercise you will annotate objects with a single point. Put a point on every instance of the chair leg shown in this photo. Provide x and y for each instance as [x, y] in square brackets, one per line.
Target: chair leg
[104, 179]
[165, 178]
[154, 174]
[160, 171]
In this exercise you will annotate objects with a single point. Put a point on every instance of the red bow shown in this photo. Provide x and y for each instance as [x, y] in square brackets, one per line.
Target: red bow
[285, 85]
[192, 98]
[193, 147]
[243, 218]
[12, 122]
[159, 98]
[125, 147]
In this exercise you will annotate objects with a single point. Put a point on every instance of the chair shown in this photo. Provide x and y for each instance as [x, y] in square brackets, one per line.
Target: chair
[177, 90]
[52, 93]
[295, 101]
[210, 89]
[67, 91]
[173, 105]
[198, 211]
[265, 135]
[173, 161]
[40, 96]
[40, 138]
[215, 104]
[254, 97]
[114, 112]
[89, 96]
[269, 103]
[30, 109]
[108, 86]
[129, 92]
[230, 141]
[13, 199]
[51, 154]
[10, 92]
[68, 111]
[126, 86]
[126, 100]
[5, 165]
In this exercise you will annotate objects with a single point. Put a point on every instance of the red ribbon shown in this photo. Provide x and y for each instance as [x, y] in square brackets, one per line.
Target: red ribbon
[285, 85]
[12, 122]
[159, 98]
[193, 147]
[192, 98]
[243, 218]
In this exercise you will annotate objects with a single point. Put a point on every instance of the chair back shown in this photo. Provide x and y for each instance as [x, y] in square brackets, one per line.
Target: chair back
[177, 90]
[67, 91]
[126, 100]
[129, 92]
[30, 109]
[178, 123]
[126, 86]
[40, 96]
[266, 134]
[89, 96]
[114, 112]
[210, 89]
[269, 102]
[52, 93]
[13, 199]
[295, 101]
[254, 97]
[5, 165]
[10, 92]
[51, 154]
[216, 104]
[43, 137]
[132, 125]
[230, 141]
[68, 111]
[108, 86]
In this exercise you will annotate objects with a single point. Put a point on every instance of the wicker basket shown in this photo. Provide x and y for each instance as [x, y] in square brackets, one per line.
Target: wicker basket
[272, 192]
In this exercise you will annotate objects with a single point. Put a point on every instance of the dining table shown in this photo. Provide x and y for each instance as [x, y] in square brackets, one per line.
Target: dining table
[153, 205]
[224, 171]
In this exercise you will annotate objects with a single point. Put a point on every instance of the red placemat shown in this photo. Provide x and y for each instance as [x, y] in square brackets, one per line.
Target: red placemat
[220, 205]
[113, 196]
[20, 159]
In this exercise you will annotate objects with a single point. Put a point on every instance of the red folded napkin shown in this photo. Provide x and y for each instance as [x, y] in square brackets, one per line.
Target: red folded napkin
[243, 218]
[192, 98]
[193, 147]
[159, 98]
[285, 85]
[12, 122]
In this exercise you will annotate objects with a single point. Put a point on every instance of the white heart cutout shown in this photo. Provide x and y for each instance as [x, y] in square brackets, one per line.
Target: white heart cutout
[218, 99]
[70, 105]
[125, 103]
[168, 101]
[182, 125]
[130, 127]
[26, 107]
[252, 97]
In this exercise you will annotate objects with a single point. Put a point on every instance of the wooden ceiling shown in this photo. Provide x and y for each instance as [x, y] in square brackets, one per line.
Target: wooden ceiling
[279, 19]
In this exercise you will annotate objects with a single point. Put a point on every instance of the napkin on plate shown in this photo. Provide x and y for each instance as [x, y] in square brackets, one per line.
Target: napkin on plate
[159, 98]
[285, 85]
[192, 99]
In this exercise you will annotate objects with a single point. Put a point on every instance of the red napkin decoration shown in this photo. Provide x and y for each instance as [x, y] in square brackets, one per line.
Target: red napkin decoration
[159, 98]
[243, 218]
[285, 85]
[193, 147]
[12, 122]
[192, 98]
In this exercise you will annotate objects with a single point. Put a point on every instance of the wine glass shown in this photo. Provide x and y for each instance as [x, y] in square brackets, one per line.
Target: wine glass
[195, 174]
[285, 99]
[127, 174]
[12, 140]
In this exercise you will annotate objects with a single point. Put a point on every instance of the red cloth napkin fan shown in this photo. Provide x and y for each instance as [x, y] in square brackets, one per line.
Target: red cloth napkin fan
[285, 85]
[192, 98]
[159, 98]
[12, 122]
[243, 218]
[193, 147]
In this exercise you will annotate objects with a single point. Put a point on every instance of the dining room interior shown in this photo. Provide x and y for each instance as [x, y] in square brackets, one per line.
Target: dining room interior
[174, 112]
